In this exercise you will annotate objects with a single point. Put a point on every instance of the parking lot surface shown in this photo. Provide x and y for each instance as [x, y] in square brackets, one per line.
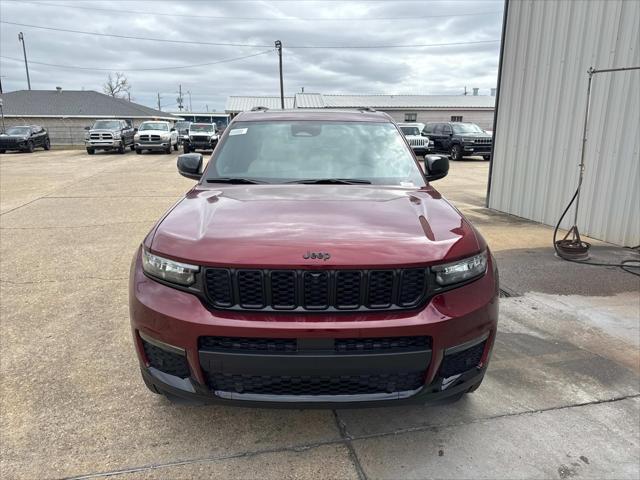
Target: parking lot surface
[561, 398]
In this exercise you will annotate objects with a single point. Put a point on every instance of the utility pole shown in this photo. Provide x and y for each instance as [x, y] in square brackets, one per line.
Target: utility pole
[2, 115]
[207, 106]
[159, 106]
[26, 65]
[180, 98]
[190, 106]
[279, 48]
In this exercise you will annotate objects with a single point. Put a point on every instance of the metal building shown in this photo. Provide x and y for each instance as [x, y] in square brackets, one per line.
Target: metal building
[548, 46]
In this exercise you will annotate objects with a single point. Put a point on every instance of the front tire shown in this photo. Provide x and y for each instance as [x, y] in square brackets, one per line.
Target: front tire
[30, 146]
[486, 157]
[185, 148]
[456, 153]
[132, 147]
[175, 147]
[138, 151]
[90, 151]
[121, 148]
[2, 151]
[47, 144]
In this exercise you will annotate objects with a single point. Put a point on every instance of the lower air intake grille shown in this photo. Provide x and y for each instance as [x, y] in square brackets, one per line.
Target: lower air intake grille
[463, 361]
[317, 385]
[377, 344]
[247, 344]
[167, 362]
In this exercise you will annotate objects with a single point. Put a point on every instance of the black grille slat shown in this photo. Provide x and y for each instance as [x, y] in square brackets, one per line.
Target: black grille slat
[316, 385]
[167, 362]
[340, 345]
[283, 289]
[380, 288]
[376, 344]
[247, 344]
[412, 287]
[218, 284]
[315, 290]
[348, 289]
[250, 289]
[460, 362]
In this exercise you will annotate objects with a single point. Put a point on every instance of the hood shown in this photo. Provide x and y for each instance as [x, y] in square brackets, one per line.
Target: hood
[276, 225]
[104, 130]
[474, 135]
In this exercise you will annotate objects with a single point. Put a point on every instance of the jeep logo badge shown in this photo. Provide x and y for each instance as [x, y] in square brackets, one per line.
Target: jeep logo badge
[317, 255]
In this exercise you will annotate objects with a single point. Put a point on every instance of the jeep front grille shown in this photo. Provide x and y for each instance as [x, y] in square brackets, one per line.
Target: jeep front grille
[309, 290]
[199, 138]
[418, 142]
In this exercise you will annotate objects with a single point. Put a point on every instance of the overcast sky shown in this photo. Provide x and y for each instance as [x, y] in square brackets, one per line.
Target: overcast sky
[256, 25]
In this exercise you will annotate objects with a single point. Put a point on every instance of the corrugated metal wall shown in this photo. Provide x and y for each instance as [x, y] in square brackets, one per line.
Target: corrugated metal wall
[548, 47]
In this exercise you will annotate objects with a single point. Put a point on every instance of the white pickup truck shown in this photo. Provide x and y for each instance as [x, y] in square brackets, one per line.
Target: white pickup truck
[156, 135]
[420, 143]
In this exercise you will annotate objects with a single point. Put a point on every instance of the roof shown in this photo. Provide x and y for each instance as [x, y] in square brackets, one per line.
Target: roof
[324, 114]
[316, 100]
[244, 104]
[74, 103]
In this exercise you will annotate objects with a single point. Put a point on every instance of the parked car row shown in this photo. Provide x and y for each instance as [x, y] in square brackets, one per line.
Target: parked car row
[456, 139]
[25, 138]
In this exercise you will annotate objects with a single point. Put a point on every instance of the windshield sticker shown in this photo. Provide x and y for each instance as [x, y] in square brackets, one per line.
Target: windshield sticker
[238, 131]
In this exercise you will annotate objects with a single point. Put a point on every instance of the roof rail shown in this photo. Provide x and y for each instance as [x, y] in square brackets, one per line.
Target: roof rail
[367, 109]
[259, 109]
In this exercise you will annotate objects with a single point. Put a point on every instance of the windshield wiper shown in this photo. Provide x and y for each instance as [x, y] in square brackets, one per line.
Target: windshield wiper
[332, 181]
[232, 180]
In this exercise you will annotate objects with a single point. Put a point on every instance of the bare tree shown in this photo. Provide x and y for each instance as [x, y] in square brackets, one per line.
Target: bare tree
[117, 86]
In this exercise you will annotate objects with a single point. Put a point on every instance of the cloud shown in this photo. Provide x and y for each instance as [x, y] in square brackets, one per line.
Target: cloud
[329, 70]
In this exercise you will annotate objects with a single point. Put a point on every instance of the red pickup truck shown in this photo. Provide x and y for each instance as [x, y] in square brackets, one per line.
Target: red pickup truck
[313, 264]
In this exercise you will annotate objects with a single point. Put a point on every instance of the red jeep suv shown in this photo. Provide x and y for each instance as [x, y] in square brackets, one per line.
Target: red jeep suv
[313, 265]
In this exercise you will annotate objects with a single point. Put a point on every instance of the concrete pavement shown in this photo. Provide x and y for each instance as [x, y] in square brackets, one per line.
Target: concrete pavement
[560, 398]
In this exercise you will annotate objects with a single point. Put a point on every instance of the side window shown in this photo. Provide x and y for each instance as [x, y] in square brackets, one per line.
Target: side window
[456, 118]
[428, 128]
[410, 117]
[35, 129]
[447, 129]
[438, 128]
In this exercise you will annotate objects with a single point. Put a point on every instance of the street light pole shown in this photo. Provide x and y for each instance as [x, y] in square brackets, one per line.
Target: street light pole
[279, 49]
[26, 64]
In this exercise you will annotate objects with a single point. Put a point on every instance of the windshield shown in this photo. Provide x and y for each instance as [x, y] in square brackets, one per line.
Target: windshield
[182, 125]
[107, 125]
[286, 151]
[466, 128]
[206, 127]
[153, 126]
[18, 131]
[410, 130]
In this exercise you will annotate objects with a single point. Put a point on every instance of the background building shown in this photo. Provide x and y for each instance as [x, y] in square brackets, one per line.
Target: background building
[65, 113]
[547, 49]
[403, 108]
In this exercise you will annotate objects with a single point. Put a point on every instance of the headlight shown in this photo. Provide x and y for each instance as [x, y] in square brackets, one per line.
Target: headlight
[469, 140]
[116, 135]
[165, 136]
[462, 270]
[136, 137]
[174, 272]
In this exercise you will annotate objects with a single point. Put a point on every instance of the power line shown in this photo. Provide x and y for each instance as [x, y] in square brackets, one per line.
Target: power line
[124, 69]
[220, 17]
[193, 42]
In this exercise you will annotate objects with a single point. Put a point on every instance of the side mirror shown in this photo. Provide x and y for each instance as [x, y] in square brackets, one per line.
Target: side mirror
[190, 165]
[436, 167]
[424, 134]
[173, 130]
[135, 130]
[87, 128]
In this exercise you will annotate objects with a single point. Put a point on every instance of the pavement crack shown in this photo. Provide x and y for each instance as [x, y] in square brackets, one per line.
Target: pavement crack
[347, 440]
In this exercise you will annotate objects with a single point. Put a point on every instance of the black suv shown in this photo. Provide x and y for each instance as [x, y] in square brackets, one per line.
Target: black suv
[459, 139]
[24, 138]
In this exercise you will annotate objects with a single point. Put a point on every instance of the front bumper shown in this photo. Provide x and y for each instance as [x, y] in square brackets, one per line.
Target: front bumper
[97, 144]
[471, 149]
[152, 146]
[8, 145]
[176, 322]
